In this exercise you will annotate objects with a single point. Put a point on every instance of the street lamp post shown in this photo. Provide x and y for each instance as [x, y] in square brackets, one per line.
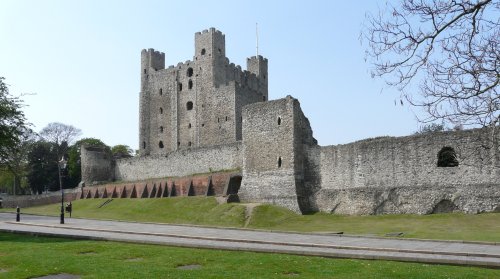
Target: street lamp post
[61, 166]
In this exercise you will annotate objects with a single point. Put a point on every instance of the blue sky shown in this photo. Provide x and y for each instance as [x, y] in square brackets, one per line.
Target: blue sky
[81, 59]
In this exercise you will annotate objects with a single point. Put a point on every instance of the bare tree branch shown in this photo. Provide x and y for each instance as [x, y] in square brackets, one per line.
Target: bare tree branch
[449, 48]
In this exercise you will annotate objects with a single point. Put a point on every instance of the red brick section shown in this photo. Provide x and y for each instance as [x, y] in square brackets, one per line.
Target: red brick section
[219, 182]
[200, 185]
[162, 188]
[182, 186]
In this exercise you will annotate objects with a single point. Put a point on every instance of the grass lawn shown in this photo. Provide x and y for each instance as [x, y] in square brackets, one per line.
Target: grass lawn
[206, 211]
[23, 256]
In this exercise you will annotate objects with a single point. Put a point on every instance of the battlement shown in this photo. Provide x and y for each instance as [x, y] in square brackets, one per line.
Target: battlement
[211, 30]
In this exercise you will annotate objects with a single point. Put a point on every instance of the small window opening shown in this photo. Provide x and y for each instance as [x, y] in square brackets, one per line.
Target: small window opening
[161, 110]
[190, 72]
[220, 51]
[190, 84]
[144, 70]
[160, 144]
[226, 118]
[203, 125]
[279, 120]
[161, 129]
[189, 126]
[279, 162]
[447, 157]
[189, 143]
[161, 91]
[218, 120]
[263, 98]
[179, 86]
[203, 51]
[143, 145]
[189, 105]
[178, 143]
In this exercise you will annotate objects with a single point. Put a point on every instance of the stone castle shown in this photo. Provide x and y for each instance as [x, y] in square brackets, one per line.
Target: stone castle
[208, 128]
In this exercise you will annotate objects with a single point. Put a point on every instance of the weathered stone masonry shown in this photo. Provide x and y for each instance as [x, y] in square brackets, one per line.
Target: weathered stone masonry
[209, 116]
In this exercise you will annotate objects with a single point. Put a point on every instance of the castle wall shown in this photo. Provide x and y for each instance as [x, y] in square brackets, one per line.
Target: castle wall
[180, 163]
[97, 164]
[273, 154]
[400, 175]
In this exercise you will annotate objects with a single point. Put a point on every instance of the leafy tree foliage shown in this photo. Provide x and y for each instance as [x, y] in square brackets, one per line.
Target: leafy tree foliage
[122, 150]
[451, 49]
[13, 123]
[43, 167]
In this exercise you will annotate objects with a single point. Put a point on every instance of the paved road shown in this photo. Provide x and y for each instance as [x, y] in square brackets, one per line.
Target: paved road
[448, 252]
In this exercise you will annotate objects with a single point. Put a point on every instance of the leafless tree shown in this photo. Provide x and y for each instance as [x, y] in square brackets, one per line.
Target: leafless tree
[449, 48]
[60, 134]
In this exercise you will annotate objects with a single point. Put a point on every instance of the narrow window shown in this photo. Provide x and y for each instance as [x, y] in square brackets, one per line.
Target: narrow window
[218, 120]
[160, 144]
[179, 86]
[161, 110]
[190, 84]
[178, 143]
[143, 145]
[203, 51]
[279, 162]
[263, 98]
[189, 126]
[279, 120]
[190, 72]
[161, 91]
[220, 51]
[144, 70]
[447, 157]
[161, 129]
[226, 118]
[189, 143]
[189, 105]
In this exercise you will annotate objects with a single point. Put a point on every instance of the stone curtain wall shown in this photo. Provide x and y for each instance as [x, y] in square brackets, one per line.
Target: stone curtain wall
[274, 133]
[180, 163]
[97, 164]
[400, 175]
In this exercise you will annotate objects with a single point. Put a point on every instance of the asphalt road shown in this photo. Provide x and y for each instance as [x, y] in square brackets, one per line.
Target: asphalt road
[339, 246]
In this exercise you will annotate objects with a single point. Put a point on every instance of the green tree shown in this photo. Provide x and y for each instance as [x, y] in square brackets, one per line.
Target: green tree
[15, 136]
[43, 168]
[74, 163]
[122, 150]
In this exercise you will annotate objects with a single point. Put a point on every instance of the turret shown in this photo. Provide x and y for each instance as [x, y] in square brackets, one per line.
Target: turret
[258, 66]
[210, 54]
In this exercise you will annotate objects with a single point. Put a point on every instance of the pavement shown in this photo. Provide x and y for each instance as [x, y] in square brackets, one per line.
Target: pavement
[326, 245]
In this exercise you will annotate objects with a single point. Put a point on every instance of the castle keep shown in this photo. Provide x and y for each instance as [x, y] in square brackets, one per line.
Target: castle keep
[208, 128]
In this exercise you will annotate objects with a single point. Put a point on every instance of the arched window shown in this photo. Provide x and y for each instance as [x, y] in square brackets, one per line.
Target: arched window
[203, 51]
[279, 162]
[279, 120]
[447, 157]
[161, 110]
[190, 72]
[160, 144]
[161, 129]
[189, 105]
[179, 86]
[190, 84]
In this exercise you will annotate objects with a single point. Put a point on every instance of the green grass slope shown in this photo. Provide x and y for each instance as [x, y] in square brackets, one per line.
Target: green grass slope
[206, 211]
